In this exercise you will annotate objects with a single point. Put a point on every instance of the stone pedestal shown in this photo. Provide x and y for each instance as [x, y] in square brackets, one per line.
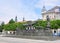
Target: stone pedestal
[48, 32]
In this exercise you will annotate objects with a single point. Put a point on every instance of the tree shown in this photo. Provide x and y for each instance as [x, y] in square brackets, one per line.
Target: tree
[54, 24]
[20, 25]
[13, 26]
[11, 21]
[10, 27]
[2, 26]
[58, 22]
[41, 23]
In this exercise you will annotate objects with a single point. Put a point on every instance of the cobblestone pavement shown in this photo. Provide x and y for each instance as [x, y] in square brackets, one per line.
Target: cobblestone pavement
[20, 40]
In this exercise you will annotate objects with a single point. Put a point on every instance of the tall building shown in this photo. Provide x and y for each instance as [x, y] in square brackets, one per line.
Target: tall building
[53, 13]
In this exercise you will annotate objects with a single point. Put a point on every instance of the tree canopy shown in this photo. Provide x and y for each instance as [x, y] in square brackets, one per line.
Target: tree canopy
[11, 21]
[12, 25]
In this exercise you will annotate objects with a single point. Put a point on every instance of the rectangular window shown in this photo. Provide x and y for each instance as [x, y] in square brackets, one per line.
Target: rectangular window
[59, 9]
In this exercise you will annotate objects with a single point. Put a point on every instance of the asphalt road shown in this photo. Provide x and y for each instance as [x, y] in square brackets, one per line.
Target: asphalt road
[20, 40]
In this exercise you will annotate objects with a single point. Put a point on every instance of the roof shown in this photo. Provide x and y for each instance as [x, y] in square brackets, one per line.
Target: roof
[53, 9]
[29, 23]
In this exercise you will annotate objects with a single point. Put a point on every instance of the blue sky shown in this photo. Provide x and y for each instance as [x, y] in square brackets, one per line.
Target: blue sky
[29, 9]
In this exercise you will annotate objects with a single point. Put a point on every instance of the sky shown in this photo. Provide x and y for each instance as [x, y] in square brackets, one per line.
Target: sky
[29, 9]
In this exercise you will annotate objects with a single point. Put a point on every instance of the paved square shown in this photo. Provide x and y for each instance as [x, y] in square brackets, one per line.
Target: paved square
[20, 40]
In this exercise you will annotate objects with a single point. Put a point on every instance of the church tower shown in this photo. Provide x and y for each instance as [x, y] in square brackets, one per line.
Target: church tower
[43, 9]
[16, 19]
[43, 13]
[23, 19]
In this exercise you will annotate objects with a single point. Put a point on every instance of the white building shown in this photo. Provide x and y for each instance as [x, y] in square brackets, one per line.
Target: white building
[53, 13]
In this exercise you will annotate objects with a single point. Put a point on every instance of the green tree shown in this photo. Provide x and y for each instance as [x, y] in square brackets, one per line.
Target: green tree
[54, 24]
[1, 29]
[58, 22]
[20, 25]
[13, 26]
[41, 23]
[10, 27]
[2, 26]
[11, 21]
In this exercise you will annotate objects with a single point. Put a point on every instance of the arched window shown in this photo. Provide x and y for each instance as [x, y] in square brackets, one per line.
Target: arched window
[54, 31]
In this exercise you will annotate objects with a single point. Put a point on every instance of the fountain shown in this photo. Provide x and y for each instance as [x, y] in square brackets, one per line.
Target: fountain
[48, 22]
[48, 31]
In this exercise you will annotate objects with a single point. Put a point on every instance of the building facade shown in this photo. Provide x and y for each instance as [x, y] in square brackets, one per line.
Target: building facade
[54, 13]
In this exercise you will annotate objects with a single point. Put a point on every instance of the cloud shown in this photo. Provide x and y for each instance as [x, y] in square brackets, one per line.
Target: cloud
[24, 8]
[47, 3]
[7, 12]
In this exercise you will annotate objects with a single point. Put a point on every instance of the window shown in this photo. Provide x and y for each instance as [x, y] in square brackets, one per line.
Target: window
[54, 31]
[59, 9]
